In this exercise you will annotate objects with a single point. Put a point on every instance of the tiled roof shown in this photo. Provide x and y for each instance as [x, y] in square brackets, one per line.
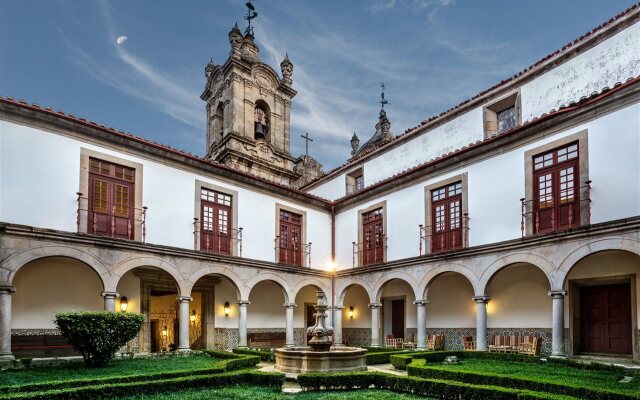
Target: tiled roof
[419, 129]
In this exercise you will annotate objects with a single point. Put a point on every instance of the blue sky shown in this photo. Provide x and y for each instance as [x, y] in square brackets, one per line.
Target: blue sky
[431, 54]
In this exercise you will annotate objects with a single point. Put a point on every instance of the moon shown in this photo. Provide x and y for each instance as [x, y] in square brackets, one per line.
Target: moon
[121, 39]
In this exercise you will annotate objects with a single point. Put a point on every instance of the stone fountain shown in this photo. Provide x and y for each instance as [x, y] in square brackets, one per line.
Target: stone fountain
[320, 355]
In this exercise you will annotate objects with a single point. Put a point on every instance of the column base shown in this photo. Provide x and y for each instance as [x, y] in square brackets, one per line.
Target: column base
[183, 351]
[561, 355]
[6, 358]
[375, 346]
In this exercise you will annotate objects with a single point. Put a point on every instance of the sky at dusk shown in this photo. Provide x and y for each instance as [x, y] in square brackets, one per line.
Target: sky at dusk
[431, 54]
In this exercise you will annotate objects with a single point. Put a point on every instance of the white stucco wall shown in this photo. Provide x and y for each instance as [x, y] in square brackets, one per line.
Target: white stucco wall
[497, 183]
[450, 302]
[266, 309]
[357, 298]
[41, 174]
[226, 291]
[613, 60]
[51, 285]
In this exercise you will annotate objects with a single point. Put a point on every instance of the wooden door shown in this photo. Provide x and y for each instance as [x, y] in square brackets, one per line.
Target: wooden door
[397, 319]
[290, 241]
[446, 217]
[605, 322]
[216, 227]
[373, 245]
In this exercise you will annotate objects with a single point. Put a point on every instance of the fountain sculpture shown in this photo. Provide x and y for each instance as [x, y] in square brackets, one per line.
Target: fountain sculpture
[320, 355]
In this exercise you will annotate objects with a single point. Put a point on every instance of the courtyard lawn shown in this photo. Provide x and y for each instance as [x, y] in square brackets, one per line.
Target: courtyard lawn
[600, 379]
[258, 393]
[116, 368]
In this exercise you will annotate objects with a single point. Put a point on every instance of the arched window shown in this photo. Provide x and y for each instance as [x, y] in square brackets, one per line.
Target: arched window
[262, 121]
[218, 124]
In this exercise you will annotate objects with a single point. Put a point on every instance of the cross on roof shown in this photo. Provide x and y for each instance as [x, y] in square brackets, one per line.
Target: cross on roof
[383, 101]
[307, 139]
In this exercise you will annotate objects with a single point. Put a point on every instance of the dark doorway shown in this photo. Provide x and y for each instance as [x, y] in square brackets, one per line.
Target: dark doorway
[605, 313]
[397, 319]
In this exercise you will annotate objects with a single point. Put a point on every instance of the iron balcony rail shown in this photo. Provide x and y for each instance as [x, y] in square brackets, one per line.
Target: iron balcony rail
[113, 211]
[426, 233]
[211, 242]
[362, 254]
[571, 218]
[298, 253]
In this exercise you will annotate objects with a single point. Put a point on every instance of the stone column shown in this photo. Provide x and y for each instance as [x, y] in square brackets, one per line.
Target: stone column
[481, 322]
[289, 341]
[242, 322]
[337, 326]
[183, 324]
[557, 331]
[421, 307]
[5, 322]
[110, 300]
[375, 324]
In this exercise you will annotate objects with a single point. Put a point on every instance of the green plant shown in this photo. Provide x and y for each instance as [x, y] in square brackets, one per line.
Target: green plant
[98, 335]
[265, 355]
[375, 356]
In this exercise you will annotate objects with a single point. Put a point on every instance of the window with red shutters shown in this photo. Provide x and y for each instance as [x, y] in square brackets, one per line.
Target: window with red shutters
[446, 209]
[556, 203]
[216, 227]
[290, 240]
[111, 199]
[373, 241]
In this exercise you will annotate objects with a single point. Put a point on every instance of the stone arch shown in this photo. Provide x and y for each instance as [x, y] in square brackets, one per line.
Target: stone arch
[546, 266]
[341, 289]
[313, 282]
[403, 276]
[267, 276]
[596, 246]
[11, 265]
[183, 286]
[423, 288]
[216, 270]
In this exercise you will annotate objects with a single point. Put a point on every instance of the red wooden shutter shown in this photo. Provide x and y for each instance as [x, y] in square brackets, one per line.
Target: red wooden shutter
[373, 245]
[216, 227]
[446, 218]
[290, 251]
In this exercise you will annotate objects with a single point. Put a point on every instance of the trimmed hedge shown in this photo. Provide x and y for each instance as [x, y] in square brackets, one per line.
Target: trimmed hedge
[265, 355]
[382, 357]
[432, 388]
[538, 385]
[231, 362]
[118, 390]
[400, 361]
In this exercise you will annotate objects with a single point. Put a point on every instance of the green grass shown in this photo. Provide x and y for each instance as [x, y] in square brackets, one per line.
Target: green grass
[137, 366]
[549, 372]
[258, 393]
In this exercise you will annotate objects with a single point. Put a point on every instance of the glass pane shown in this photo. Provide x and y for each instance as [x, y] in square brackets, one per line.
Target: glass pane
[100, 193]
[507, 119]
[122, 201]
[545, 191]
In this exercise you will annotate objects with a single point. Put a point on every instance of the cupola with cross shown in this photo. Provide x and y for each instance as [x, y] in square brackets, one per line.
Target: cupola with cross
[248, 109]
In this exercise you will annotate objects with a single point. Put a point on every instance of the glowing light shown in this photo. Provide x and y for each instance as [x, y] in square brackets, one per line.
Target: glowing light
[192, 317]
[227, 309]
[124, 303]
[350, 312]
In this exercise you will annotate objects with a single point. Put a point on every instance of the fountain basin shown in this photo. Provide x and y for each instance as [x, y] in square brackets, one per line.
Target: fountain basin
[301, 359]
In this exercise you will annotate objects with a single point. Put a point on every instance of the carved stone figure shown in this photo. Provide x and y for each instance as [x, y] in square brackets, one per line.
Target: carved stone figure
[286, 67]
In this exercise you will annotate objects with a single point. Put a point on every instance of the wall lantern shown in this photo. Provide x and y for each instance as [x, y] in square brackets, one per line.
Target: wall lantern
[350, 313]
[124, 303]
[165, 332]
[192, 317]
[227, 309]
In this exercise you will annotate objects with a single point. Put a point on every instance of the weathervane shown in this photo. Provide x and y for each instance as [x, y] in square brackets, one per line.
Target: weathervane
[251, 14]
[383, 101]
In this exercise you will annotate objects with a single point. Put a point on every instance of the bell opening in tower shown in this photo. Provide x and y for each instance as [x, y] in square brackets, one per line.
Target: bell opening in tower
[261, 121]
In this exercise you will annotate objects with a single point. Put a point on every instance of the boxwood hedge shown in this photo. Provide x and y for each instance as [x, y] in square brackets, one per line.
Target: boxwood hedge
[538, 385]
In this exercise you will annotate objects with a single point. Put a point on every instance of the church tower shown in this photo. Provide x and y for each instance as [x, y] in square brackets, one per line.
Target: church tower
[248, 110]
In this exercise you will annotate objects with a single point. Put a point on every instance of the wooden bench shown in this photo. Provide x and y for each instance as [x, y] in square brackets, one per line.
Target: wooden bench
[266, 340]
[435, 342]
[392, 342]
[529, 345]
[468, 343]
[31, 346]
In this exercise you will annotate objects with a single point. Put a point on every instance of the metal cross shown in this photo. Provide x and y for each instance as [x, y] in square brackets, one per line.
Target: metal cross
[383, 101]
[306, 145]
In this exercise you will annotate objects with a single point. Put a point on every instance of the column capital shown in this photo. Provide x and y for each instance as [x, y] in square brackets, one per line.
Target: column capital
[243, 303]
[481, 299]
[184, 299]
[338, 308]
[110, 295]
[7, 289]
[375, 305]
[423, 302]
[557, 293]
[289, 305]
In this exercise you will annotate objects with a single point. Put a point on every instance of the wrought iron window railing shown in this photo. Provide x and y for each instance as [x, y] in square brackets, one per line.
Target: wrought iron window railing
[218, 239]
[295, 254]
[112, 219]
[443, 243]
[371, 253]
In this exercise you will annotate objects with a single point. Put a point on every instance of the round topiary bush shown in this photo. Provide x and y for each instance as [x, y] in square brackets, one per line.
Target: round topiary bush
[98, 335]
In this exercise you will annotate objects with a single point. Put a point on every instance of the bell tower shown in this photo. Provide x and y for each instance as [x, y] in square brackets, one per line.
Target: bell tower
[248, 110]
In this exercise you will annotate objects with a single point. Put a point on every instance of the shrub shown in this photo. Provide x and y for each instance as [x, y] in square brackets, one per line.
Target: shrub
[118, 390]
[98, 335]
[265, 355]
[400, 361]
[234, 361]
[431, 388]
[382, 357]
[538, 385]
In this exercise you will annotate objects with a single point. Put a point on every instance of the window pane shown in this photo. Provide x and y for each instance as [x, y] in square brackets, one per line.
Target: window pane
[545, 194]
[454, 214]
[207, 219]
[507, 119]
[439, 218]
[566, 185]
[122, 201]
[100, 193]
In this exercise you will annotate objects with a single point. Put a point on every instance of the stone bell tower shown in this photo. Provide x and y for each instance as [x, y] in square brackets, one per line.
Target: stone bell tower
[248, 111]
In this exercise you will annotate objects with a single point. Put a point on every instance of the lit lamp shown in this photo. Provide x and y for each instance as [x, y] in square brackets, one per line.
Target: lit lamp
[350, 313]
[227, 309]
[192, 317]
[164, 331]
[124, 303]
